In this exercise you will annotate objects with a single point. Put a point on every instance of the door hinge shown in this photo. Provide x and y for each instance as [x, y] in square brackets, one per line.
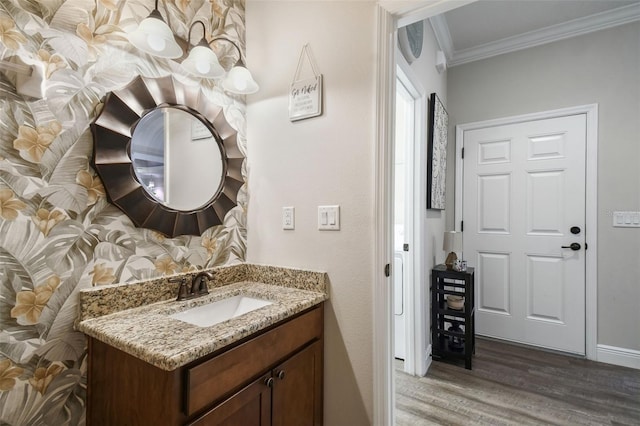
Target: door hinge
[462, 226]
[463, 153]
[387, 270]
[586, 246]
[405, 247]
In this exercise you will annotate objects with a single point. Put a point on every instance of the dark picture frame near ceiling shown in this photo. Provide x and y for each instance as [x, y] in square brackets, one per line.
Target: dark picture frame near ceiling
[436, 153]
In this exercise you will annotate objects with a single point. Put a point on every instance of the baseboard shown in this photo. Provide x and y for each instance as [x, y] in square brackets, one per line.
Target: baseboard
[618, 356]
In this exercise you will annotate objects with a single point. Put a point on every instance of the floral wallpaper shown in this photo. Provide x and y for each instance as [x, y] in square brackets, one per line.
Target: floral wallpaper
[58, 233]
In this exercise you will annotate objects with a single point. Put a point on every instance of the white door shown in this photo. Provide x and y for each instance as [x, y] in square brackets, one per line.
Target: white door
[405, 135]
[523, 207]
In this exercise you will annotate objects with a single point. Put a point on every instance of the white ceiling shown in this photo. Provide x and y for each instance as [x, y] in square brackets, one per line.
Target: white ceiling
[488, 28]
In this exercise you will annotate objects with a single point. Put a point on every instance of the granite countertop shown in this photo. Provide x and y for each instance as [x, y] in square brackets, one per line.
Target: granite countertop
[148, 333]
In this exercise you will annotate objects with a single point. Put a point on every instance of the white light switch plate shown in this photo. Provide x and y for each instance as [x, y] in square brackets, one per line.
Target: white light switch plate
[626, 219]
[288, 218]
[329, 218]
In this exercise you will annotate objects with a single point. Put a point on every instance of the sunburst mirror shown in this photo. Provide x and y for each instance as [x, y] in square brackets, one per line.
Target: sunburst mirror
[167, 156]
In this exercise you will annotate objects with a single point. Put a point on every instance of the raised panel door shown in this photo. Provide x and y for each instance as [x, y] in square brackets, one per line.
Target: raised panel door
[524, 189]
[297, 390]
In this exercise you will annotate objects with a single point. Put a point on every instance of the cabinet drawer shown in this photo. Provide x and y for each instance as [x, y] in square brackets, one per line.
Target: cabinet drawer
[211, 380]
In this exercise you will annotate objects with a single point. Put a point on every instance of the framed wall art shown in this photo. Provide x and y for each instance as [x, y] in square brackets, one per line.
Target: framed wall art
[436, 153]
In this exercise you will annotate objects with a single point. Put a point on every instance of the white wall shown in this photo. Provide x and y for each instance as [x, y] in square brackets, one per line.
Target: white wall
[434, 220]
[323, 160]
[602, 68]
[423, 74]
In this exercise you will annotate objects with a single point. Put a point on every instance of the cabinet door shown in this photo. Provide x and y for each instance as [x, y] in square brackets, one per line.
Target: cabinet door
[297, 390]
[250, 406]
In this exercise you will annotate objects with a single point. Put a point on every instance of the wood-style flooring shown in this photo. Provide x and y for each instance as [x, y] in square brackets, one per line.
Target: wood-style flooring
[514, 385]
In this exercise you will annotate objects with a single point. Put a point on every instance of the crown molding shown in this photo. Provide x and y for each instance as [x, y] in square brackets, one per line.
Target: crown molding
[573, 28]
[443, 36]
[427, 10]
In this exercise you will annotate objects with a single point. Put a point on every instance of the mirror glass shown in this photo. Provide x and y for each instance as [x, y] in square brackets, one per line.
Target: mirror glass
[177, 159]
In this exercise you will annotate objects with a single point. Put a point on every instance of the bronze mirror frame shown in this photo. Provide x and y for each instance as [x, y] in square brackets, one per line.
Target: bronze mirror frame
[112, 131]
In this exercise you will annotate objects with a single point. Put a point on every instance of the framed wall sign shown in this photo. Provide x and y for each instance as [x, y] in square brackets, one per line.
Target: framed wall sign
[305, 95]
[436, 153]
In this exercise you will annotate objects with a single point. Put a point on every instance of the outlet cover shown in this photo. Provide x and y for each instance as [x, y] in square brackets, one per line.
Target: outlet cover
[288, 218]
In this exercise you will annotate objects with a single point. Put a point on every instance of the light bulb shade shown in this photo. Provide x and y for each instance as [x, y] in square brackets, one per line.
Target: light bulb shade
[240, 81]
[452, 241]
[155, 37]
[202, 62]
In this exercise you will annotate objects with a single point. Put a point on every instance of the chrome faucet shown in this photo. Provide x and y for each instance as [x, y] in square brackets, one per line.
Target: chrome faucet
[197, 288]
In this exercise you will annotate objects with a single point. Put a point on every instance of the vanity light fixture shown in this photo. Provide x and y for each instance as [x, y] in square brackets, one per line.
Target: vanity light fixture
[239, 79]
[155, 37]
[201, 61]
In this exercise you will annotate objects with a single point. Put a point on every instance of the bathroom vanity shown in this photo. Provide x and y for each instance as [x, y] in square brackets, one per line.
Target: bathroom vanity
[264, 367]
[210, 359]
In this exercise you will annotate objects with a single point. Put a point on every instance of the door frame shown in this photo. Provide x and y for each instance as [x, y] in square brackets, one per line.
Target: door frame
[418, 347]
[591, 201]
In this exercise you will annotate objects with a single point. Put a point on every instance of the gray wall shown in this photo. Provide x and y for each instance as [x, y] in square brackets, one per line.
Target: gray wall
[602, 68]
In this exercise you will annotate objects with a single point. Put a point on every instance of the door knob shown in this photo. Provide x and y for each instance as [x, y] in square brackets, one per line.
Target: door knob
[269, 382]
[573, 246]
[281, 374]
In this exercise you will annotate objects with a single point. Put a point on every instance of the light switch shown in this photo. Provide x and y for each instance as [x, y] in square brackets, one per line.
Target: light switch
[329, 218]
[288, 218]
[626, 219]
[324, 220]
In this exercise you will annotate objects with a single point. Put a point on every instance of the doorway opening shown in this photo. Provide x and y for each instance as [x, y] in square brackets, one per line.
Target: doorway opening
[410, 307]
[403, 235]
[389, 20]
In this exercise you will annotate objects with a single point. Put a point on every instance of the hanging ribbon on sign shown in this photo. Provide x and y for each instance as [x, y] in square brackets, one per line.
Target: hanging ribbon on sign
[305, 95]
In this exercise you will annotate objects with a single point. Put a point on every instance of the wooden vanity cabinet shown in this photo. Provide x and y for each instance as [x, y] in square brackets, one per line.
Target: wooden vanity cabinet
[281, 398]
[271, 378]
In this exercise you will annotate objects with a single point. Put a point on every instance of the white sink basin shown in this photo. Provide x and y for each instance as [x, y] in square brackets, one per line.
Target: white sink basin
[220, 310]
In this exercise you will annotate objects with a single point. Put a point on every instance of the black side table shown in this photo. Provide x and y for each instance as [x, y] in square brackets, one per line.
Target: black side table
[452, 330]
